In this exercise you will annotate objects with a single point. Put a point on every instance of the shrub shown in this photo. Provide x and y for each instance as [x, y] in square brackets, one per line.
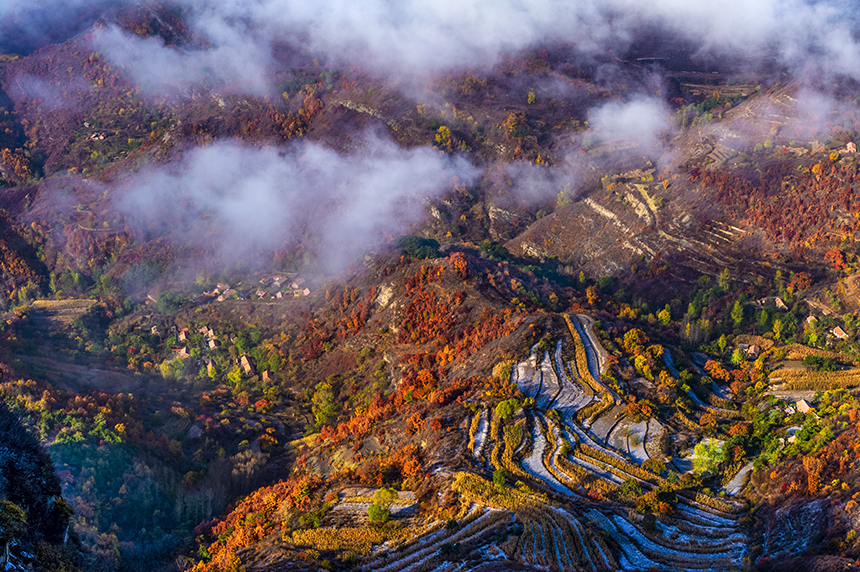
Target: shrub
[507, 408]
[417, 247]
[378, 514]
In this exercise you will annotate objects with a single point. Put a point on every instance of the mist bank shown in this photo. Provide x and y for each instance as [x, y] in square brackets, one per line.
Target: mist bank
[236, 203]
[411, 41]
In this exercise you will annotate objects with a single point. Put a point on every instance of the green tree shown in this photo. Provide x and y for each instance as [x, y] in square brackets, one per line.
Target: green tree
[500, 477]
[738, 314]
[721, 343]
[723, 280]
[323, 405]
[377, 514]
[707, 456]
[234, 376]
[169, 302]
[777, 329]
[507, 408]
[380, 511]
[630, 488]
[385, 496]
[13, 522]
[764, 321]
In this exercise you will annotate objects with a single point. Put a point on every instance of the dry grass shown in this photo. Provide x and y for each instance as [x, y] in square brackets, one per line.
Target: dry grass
[799, 351]
[815, 381]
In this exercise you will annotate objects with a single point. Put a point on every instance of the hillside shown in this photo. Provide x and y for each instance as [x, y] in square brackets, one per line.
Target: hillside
[303, 289]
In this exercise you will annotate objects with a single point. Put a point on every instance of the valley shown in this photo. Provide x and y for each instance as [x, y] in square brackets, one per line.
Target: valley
[565, 289]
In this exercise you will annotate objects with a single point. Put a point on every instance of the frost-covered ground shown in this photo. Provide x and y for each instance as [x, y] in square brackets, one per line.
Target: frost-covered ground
[481, 435]
[533, 464]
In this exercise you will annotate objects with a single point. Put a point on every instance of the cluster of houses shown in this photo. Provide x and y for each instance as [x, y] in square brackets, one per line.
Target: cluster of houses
[837, 332]
[274, 288]
[184, 335]
[780, 304]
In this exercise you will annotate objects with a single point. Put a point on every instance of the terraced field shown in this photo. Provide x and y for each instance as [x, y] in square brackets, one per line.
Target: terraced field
[568, 458]
[574, 462]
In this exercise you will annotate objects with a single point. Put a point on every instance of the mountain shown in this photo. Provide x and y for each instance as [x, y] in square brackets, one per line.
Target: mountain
[302, 289]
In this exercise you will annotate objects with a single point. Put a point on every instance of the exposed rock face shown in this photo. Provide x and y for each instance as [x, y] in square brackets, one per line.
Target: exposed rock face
[503, 223]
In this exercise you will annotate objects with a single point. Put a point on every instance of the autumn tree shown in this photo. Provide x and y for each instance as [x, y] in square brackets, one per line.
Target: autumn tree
[665, 316]
[591, 295]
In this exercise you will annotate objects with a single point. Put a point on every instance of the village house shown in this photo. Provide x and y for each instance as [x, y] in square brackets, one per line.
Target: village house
[223, 287]
[213, 343]
[210, 367]
[182, 352]
[839, 333]
[804, 407]
[246, 365]
[753, 351]
[183, 335]
[778, 302]
[154, 330]
[791, 433]
[226, 295]
[851, 147]
[267, 376]
[811, 320]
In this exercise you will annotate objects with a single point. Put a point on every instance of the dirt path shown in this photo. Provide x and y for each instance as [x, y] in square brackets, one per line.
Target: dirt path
[594, 352]
[739, 481]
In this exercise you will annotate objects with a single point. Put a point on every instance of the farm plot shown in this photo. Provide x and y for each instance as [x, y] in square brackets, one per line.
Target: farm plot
[479, 434]
[528, 375]
[669, 549]
[425, 552]
[550, 386]
[55, 316]
[653, 438]
[556, 540]
[534, 462]
[629, 437]
[596, 352]
[573, 395]
[606, 422]
[354, 502]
